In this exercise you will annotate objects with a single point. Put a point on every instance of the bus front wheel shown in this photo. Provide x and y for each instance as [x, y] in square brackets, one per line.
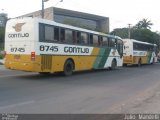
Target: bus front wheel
[68, 68]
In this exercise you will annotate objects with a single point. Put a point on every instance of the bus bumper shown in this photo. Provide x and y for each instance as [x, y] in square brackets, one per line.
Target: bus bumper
[22, 66]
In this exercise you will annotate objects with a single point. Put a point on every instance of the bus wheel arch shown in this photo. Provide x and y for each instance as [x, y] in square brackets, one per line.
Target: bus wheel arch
[113, 64]
[69, 66]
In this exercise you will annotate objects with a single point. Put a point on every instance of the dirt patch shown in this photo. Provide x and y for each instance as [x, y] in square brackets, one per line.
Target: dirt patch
[147, 101]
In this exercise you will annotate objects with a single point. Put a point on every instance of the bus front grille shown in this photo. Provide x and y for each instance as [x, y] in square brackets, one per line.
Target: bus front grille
[46, 62]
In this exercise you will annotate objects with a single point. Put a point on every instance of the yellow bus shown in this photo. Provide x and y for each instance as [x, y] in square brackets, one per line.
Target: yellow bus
[39, 45]
[138, 52]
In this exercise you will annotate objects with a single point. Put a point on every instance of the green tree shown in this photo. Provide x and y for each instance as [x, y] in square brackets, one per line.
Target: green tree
[144, 24]
[144, 35]
[2, 34]
[121, 32]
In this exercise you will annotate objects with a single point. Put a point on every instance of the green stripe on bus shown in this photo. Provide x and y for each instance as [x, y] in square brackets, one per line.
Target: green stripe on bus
[149, 54]
[102, 58]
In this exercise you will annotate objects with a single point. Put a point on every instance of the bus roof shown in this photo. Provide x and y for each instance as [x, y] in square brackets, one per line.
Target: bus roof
[50, 22]
[137, 41]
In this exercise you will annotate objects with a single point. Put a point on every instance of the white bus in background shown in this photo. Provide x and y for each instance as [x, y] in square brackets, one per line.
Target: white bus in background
[39, 45]
[138, 52]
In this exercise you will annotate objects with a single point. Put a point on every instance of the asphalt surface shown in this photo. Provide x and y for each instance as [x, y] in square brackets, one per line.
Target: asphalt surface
[119, 91]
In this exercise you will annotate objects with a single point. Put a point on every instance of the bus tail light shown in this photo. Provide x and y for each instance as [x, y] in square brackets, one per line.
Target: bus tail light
[33, 56]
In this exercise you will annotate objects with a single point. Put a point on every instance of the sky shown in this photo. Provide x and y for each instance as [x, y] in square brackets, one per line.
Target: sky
[120, 12]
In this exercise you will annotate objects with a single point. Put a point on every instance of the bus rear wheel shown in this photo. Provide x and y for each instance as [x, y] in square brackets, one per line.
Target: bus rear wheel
[68, 68]
[113, 65]
[139, 63]
[124, 65]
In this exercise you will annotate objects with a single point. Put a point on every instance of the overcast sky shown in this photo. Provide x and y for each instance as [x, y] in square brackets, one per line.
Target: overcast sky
[120, 12]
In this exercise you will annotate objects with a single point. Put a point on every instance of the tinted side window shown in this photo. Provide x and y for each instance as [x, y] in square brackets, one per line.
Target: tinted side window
[68, 36]
[105, 41]
[62, 35]
[41, 32]
[95, 40]
[135, 46]
[100, 40]
[120, 47]
[49, 33]
[74, 35]
[112, 42]
[56, 33]
[91, 39]
[84, 38]
[78, 37]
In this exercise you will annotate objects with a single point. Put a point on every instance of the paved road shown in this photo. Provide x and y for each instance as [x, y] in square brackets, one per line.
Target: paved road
[101, 91]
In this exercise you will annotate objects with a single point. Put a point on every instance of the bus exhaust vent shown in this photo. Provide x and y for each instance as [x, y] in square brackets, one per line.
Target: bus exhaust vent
[46, 62]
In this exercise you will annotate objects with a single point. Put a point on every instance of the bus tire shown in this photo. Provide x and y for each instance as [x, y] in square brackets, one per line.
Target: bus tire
[68, 68]
[113, 65]
[139, 63]
[124, 65]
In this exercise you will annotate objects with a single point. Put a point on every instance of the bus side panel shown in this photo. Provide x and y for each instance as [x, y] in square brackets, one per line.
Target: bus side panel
[150, 57]
[105, 57]
[55, 63]
[80, 62]
[145, 57]
[101, 58]
[128, 60]
[114, 55]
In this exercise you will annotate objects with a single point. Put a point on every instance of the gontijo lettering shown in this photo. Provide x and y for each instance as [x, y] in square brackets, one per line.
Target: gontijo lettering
[76, 50]
[19, 35]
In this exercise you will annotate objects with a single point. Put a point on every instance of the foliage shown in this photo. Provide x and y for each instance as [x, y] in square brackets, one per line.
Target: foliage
[141, 31]
[2, 34]
[121, 32]
[144, 35]
[144, 24]
[2, 31]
